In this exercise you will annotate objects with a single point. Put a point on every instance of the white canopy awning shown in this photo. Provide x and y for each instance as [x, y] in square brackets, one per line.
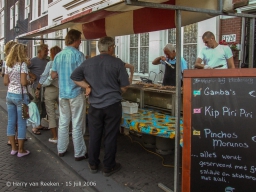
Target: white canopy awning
[116, 18]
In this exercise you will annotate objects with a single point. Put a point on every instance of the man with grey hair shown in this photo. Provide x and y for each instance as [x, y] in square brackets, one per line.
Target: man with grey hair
[37, 66]
[106, 77]
[169, 60]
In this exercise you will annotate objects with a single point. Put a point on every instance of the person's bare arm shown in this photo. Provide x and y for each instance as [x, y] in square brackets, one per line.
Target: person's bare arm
[23, 79]
[123, 89]
[54, 75]
[84, 85]
[230, 63]
[199, 64]
[131, 67]
[6, 80]
[38, 89]
[157, 60]
[32, 76]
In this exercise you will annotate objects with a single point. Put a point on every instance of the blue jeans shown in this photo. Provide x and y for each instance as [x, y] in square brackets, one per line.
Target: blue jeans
[14, 102]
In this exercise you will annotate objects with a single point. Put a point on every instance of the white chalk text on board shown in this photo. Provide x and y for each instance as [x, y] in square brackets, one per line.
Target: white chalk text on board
[223, 80]
[227, 111]
[223, 138]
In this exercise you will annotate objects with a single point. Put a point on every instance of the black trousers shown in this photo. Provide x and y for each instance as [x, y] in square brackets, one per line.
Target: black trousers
[107, 119]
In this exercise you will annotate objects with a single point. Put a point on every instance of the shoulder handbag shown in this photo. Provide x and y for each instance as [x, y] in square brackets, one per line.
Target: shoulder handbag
[24, 106]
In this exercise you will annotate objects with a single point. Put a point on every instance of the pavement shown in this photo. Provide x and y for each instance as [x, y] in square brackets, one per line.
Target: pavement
[142, 169]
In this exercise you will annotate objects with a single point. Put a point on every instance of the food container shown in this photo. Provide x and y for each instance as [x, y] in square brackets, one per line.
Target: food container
[129, 108]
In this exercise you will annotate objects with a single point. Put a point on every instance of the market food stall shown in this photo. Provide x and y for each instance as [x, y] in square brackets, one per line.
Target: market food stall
[129, 17]
[154, 96]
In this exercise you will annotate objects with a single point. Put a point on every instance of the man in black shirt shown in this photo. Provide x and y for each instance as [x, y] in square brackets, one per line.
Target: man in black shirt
[104, 77]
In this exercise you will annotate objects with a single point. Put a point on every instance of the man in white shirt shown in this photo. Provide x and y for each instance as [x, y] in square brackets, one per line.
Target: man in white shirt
[214, 55]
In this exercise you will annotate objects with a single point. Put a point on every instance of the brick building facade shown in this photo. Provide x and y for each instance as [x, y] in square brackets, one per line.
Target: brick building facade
[25, 24]
[232, 26]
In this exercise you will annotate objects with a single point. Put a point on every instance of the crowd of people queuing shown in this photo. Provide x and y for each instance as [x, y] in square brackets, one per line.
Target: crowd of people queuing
[66, 79]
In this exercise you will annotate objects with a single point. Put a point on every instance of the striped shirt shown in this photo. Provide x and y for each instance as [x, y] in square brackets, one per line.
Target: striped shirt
[64, 64]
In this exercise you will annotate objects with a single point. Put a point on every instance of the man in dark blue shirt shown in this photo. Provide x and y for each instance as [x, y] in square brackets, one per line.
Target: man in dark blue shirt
[105, 78]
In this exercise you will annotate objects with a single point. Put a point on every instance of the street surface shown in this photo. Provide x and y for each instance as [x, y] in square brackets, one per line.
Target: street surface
[39, 171]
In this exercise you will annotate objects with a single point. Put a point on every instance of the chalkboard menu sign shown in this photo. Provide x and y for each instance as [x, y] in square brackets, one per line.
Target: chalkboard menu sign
[222, 136]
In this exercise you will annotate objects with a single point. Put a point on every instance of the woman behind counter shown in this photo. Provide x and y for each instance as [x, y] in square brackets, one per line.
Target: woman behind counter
[16, 79]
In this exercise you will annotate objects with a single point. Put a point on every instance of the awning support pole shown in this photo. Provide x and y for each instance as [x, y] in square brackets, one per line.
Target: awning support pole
[177, 103]
[220, 5]
[251, 42]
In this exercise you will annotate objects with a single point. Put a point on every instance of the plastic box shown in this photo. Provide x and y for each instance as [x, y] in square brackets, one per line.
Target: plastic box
[129, 108]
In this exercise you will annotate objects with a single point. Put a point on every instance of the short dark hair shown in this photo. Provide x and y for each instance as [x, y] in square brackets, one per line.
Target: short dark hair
[42, 47]
[72, 36]
[208, 34]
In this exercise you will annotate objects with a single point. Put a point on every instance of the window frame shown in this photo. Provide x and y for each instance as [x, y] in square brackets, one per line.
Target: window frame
[59, 35]
[139, 47]
[27, 9]
[36, 44]
[16, 13]
[2, 24]
[2, 4]
[44, 7]
[11, 17]
[183, 43]
[35, 9]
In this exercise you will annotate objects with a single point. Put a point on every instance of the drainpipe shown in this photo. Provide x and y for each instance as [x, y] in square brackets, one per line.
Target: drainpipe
[242, 48]
[5, 21]
[251, 42]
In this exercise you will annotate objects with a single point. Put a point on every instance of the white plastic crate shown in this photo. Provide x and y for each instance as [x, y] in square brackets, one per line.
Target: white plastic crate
[129, 108]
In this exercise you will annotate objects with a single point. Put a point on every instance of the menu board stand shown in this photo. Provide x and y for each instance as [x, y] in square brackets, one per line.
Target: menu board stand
[219, 132]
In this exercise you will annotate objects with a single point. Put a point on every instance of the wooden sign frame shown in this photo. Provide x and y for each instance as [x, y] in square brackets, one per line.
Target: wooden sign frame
[187, 112]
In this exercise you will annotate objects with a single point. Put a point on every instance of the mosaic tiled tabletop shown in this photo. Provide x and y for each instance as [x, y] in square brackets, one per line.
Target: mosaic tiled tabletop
[152, 122]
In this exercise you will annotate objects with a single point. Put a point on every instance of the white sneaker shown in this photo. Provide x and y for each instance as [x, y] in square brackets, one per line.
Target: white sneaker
[53, 140]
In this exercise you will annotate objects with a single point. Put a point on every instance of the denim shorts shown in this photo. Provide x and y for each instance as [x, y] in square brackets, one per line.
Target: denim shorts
[14, 103]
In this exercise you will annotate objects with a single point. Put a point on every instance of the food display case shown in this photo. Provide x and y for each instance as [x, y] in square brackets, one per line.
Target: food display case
[153, 96]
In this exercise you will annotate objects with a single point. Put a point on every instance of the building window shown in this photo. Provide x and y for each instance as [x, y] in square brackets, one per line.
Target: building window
[2, 4]
[190, 44]
[172, 36]
[189, 35]
[139, 52]
[35, 9]
[16, 13]
[2, 24]
[27, 6]
[11, 17]
[59, 35]
[92, 48]
[36, 44]
[44, 6]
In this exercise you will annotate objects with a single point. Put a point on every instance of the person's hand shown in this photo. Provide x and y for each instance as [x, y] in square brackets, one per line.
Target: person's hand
[130, 80]
[88, 91]
[37, 93]
[207, 67]
[32, 80]
[163, 58]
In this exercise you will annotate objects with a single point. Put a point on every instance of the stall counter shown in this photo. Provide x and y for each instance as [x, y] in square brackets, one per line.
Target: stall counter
[151, 122]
